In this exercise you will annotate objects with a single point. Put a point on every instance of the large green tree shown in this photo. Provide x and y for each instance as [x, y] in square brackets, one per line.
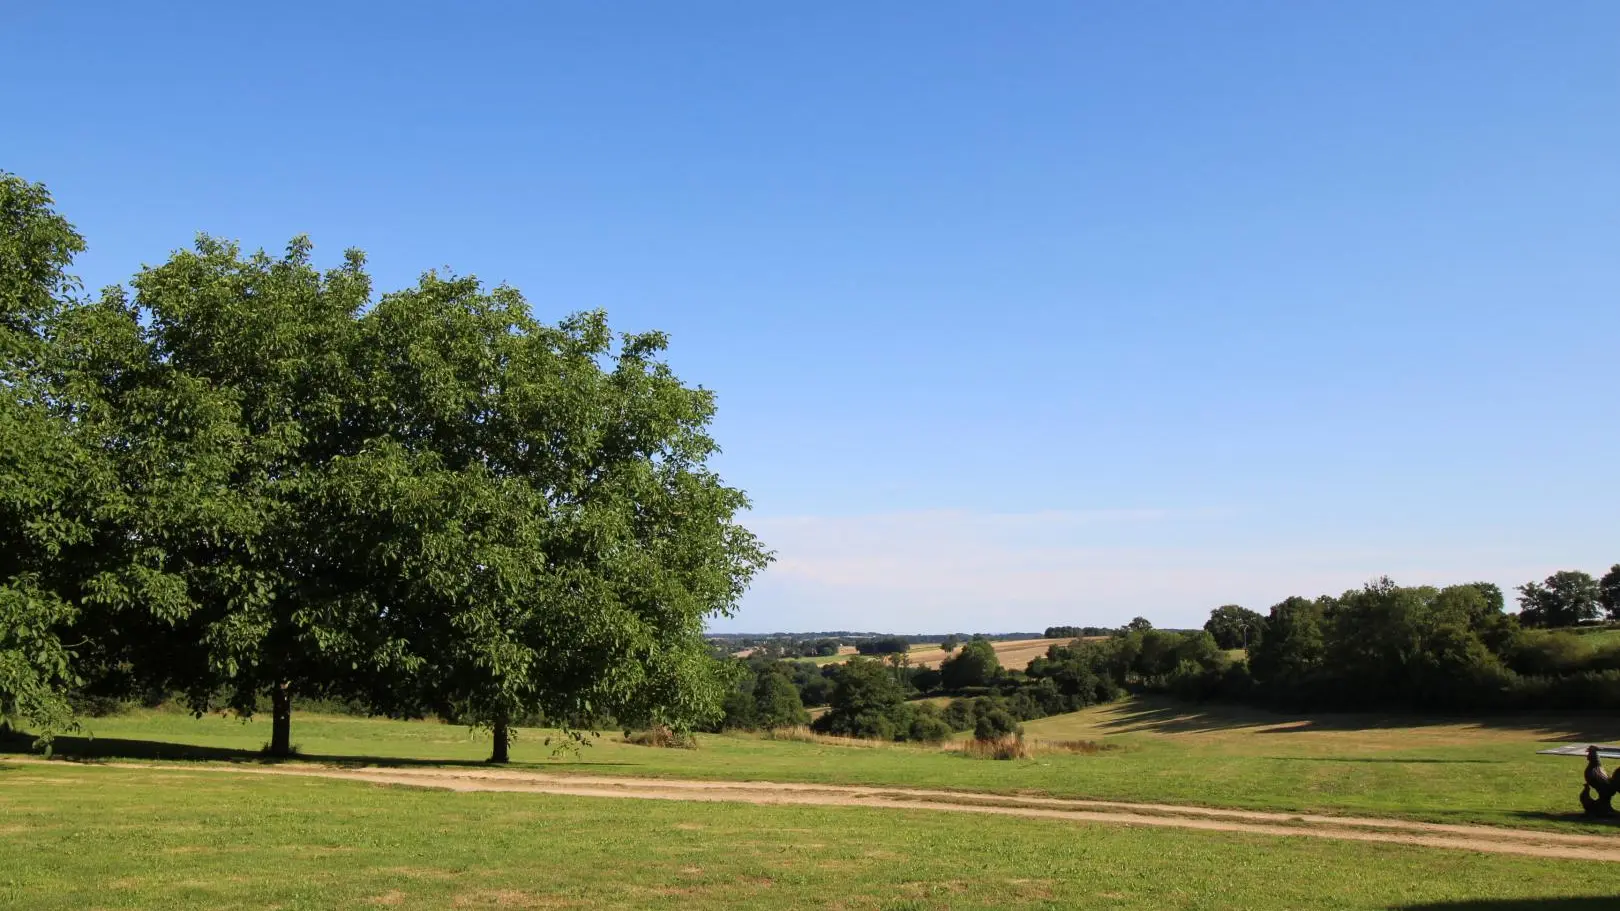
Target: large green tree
[240, 378]
[1609, 592]
[975, 665]
[244, 479]
[42, 514]
[1565, 598]
[1234, 626]
[1290, 653]
[777, 703]
[866, 701]
[552, 539]
[110, 469]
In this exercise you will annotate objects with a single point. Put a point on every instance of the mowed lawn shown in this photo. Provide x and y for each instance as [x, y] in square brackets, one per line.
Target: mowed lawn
[1434, 770]
[83, 836]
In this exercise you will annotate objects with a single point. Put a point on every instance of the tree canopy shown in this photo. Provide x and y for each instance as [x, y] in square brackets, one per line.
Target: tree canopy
[43, 515]
[1609, 592]
[1565, 598]
[245, 478]
[975, 665]
[1234, 626]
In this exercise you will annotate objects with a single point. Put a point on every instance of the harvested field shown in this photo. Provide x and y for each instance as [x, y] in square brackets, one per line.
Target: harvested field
[1015, 654]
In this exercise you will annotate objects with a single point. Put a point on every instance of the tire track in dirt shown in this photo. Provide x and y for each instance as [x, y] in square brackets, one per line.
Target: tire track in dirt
[1487, 839]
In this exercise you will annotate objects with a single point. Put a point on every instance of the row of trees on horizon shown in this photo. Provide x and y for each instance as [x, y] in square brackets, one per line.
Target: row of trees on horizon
[1383, 646]
[1566, 598]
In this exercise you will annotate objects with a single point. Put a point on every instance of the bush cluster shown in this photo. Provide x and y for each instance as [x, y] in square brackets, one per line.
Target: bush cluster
[1422, 648]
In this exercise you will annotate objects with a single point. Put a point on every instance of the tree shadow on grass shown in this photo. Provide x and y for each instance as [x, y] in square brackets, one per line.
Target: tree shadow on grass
[1573, 817]
[93, 749]
[1160, 715]
[1391, 760]
[1572, 903]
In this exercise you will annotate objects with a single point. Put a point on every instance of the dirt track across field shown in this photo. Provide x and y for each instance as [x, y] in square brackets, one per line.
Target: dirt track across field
[1489, 839]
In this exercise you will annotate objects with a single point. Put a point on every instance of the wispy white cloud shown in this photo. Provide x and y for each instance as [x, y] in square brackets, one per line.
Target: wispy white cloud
[956, 570]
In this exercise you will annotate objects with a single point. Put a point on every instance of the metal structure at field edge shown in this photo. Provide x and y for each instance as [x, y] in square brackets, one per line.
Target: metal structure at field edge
[1597, 793]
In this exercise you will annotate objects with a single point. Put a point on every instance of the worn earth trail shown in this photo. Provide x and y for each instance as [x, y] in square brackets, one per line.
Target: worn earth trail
[1490, 839]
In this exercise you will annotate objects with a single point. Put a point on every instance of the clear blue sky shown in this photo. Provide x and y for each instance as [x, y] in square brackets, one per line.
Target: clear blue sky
[1019, 314]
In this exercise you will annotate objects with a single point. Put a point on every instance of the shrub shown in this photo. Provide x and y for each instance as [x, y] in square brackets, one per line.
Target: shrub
[958, 715]
[995, 724]
[928, 724]
[1544, 652]
[930, 729]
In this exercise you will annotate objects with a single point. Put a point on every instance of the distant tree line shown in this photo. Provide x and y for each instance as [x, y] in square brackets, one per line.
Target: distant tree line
[1424, 648]
[249, 481]
[1077, 632]
[871, 698]
[1383, 646]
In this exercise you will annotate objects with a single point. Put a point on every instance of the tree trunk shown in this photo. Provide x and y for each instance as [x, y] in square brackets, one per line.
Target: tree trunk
[281, 720]
[503, 739]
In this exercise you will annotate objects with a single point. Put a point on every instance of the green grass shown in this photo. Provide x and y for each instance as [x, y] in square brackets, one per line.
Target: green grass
[825, 659]
[1598, 636]
[83, 836]
[1431, 770]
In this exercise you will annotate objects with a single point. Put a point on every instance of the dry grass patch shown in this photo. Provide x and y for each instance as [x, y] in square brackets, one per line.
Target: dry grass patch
[1015, 654]
[1019, 747]
[1012, 747]
[663, 737]
[426, 873]
[1031, 889]
[510, 898]
[807, 736]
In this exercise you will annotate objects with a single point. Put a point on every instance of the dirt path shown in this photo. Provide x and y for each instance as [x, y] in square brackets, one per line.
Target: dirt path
[1490, 839]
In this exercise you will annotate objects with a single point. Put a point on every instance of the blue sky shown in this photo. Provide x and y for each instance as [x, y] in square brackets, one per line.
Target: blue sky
[1019, 314]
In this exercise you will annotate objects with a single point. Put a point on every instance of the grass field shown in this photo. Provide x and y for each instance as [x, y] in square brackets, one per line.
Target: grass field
[83, 836]
[1435, 771]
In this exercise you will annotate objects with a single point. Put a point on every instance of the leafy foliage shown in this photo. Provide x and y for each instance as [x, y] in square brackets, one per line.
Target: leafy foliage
[994, 725]
[1609, 592]
[892, 645]
[46, 483]
[1564, 599]
[247, 478]
[866, 702]
[975, 665]
[1234, 626]
[777, 703]
[1452, 649]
